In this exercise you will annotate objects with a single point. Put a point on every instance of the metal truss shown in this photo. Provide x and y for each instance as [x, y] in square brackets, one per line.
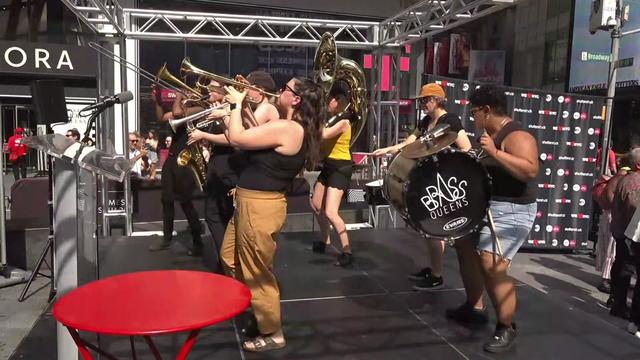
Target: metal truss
[429, 17]
[425, 18]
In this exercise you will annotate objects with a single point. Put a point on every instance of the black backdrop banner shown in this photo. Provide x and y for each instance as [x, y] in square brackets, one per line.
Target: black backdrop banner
[567, 127]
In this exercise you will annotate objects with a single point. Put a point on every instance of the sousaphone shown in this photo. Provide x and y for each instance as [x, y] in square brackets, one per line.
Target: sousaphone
[330, 67]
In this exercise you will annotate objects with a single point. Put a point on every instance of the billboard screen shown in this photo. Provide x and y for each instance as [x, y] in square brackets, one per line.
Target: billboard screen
[590, 53]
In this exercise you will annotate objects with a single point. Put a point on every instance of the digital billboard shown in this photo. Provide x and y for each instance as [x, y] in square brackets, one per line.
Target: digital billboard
[590, 53]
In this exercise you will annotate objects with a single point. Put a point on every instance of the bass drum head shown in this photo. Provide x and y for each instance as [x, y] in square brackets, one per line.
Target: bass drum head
[447, 195]
[394, 182]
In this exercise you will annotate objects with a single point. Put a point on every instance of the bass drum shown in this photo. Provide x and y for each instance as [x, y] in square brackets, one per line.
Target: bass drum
[444, 195]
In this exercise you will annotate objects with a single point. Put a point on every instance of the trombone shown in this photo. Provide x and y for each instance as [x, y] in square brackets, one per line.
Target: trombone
[187, 68]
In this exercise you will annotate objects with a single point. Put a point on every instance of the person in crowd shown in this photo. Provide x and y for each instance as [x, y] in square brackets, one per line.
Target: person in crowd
[137, 155]
[73, 134]
[335, 177]
[152, 140]
[167, 142]
[484, 258]
[625, 199]
[605, 245]
[18, 153]
[433, 101]
[277, 151]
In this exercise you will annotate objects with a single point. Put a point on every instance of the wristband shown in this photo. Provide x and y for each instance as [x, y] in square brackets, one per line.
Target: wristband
[233, 106]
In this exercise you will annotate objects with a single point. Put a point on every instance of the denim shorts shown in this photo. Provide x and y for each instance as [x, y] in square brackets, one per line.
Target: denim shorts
[512, 225]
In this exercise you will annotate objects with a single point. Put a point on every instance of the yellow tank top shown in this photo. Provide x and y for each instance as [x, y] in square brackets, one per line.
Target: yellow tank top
[338, 147]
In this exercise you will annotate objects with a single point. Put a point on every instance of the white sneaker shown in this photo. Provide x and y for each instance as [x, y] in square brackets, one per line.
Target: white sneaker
[632, 328]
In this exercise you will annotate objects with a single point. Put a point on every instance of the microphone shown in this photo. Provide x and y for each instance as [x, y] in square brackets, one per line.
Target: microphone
[108, 101]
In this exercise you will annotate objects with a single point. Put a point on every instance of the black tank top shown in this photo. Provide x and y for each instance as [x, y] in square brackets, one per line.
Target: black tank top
[504, 186]
[268, 170]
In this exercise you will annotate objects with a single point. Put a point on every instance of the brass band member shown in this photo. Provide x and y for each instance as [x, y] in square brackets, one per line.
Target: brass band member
[432, 100]
[178, 184]
[512, 162]
[226, 164]
[335, 177]
[277, 152]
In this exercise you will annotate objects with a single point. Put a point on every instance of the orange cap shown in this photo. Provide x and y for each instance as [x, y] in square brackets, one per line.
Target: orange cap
[431, 89]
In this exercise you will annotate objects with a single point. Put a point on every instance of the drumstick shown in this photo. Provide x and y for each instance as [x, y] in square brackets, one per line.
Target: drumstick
[492, 227]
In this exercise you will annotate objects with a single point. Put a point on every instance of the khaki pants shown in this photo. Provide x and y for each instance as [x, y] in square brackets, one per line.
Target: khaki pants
[248, 249]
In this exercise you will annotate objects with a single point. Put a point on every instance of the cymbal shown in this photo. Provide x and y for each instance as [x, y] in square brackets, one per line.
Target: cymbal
[419, 149]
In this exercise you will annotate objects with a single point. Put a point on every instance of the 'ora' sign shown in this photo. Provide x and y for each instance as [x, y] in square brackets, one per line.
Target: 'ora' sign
[46, 59]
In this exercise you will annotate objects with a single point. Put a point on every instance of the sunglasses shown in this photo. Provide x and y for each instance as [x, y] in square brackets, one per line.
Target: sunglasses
[133, 141]
[286, 87]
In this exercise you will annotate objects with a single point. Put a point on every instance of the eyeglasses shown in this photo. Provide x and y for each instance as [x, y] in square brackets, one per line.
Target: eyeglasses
[286, 87]
[133, 141]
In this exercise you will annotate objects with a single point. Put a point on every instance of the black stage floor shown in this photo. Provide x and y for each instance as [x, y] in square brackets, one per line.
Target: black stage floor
[367, 312]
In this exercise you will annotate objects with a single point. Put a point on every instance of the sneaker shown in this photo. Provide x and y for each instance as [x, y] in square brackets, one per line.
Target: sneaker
[196, 250]
[502, 339]
[344, 259]
[164, 245]
[619, 311]
[605, 286]
[430, 282]
[318, 247]
[465, 313]
[632, 328]
[420, 275]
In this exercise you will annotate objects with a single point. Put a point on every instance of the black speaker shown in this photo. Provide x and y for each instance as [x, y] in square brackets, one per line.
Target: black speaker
[48, 101]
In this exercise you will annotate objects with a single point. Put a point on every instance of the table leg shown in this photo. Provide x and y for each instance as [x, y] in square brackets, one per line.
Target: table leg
[133, 348]
[153, 348]
[86, 355]
[188, 344]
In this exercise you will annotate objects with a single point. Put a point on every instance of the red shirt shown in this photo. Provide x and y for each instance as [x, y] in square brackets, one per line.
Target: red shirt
[612, 160]
[15, 146]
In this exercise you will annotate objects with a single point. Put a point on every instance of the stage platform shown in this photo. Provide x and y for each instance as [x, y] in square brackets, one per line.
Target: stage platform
[370, 312]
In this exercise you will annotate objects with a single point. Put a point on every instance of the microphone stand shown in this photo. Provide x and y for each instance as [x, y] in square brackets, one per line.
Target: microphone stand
[85, 140]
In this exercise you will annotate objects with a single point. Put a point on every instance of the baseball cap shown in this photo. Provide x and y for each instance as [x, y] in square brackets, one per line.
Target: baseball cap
[431, 89]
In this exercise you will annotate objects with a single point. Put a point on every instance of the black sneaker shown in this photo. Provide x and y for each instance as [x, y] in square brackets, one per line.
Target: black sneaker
[605, 286]
[164, 245]
[465, 313]
[619, 311]
[318, 247]
[196, 250]
[420, 275]
[502, 339]
[344, 259]
[430, 282]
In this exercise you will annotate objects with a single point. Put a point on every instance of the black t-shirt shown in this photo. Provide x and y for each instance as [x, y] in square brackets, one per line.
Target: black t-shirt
[449, 118]
[179, 141]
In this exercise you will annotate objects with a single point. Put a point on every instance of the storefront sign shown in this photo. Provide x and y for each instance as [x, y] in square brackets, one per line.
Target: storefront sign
[18, 58]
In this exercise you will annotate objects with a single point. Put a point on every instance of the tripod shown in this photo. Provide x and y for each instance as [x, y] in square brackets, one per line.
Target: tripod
[49, 247]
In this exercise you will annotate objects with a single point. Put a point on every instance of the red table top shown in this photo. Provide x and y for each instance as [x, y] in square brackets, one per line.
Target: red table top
[152, 302]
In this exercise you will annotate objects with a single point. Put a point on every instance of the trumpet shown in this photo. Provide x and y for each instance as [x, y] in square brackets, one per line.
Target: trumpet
[192, 120]
[188, 68]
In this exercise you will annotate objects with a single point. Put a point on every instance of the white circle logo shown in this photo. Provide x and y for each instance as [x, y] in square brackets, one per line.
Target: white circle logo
[465, 87]
[565, 187]
[565, 114]
[582, 202]
[547, 172]
[536, 228]
[560, 172]
[549, 228]
[565, 242]
[592, 145]
[576, 187]
[577, 130]
[548, 98]
[560, 99]
[543, 156]
[576, 115]
[554, 242]
[590, 131]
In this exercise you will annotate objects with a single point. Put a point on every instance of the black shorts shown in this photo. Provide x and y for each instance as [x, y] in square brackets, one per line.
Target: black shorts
[336, 173]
